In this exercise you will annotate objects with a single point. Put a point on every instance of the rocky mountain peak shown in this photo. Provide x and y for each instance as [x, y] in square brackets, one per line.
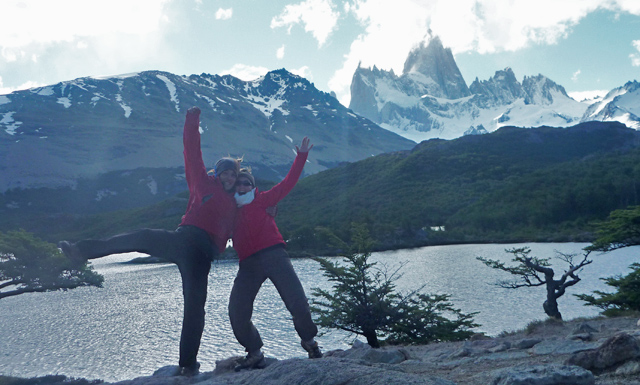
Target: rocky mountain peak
[541, 90]
[437, 63]
[502, 88]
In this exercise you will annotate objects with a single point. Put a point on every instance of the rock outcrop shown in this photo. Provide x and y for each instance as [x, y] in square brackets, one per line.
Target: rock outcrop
[595, 352]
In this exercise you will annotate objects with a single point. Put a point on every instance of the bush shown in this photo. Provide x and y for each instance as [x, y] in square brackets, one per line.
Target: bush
[364, 301]
[29, 264]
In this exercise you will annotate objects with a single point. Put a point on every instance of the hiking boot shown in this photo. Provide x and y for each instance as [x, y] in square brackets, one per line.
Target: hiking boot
[72, 252]
[312, 348]
[191, 370]
[251, 362]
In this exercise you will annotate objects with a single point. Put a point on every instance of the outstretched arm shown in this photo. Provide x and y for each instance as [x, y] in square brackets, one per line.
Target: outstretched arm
[304, 147]
[279, 191]
[193, 164]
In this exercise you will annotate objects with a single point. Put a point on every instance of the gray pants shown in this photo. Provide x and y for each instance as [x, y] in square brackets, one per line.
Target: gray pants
[274, 264]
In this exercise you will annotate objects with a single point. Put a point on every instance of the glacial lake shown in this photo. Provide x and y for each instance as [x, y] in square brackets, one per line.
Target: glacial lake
[131, 326]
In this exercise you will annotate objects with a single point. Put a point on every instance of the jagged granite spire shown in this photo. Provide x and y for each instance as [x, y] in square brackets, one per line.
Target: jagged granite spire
[436, 62]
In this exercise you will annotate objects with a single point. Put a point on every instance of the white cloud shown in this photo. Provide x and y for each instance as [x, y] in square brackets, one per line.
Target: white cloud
[588, 96]
[25, 86]
[635, 57]
[484, 26]
[280, 52]
[318, 17]
[9, 55]
[224, 14]
[304, 72]
[575, 75]
[43, 22]
[245, 72]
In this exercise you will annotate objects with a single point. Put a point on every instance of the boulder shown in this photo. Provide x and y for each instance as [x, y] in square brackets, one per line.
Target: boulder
[613, 351]
[539, 375]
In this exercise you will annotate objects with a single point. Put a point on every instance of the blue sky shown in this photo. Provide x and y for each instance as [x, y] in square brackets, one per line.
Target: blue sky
[583, 45]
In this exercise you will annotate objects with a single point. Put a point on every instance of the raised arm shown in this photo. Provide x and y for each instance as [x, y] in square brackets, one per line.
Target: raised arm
[279, 191]
[193, 164]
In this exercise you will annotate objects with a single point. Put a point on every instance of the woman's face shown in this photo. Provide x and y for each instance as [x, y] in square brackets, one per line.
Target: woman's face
[243, 185]
[228, 179]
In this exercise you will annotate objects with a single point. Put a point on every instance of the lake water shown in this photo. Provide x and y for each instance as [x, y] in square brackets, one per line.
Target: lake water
[131, 326]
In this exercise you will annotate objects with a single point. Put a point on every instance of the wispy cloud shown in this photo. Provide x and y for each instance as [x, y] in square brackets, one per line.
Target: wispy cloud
[42, 22]
[245, 72]
[25, 86]
[635, 57]
[280, 52]
[224, 14]
[575, 75]
[304, 72]
[392, 29]
[317, 16]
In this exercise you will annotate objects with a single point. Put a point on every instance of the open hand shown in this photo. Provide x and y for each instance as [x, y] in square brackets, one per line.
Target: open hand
[304, 147]
[193, 110]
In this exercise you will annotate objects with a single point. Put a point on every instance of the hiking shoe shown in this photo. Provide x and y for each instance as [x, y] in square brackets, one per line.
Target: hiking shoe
[191, 370]
[72, 252]
[251, 362]
[312, 348]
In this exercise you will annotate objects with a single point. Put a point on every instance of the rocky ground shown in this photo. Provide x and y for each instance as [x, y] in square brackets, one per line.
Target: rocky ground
[591, 352]
[594, 351]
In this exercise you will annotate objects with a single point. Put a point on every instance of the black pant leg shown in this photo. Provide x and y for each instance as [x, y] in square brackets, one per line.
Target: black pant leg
[157, 242]
[194, 270]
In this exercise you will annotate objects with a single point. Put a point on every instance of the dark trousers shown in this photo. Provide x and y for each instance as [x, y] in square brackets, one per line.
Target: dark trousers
[274, 264]
[188, 247]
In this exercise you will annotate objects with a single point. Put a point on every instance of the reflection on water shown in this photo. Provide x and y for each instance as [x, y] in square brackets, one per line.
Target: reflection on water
[131, 326]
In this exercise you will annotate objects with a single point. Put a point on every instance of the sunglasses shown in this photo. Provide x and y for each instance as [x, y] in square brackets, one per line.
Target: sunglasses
[244, 183]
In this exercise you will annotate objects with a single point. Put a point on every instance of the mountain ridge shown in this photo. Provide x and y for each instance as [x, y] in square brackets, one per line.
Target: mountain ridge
[421, 108]
[89, 126]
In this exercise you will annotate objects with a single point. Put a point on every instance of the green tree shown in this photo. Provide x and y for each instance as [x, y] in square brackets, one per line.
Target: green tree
[29, 264]
[621, 229]
[532, 271]
[364, 301]
[625, 298]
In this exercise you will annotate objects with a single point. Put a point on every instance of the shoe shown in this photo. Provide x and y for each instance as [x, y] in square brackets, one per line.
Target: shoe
[312, 348]
[72, 252]
[251, 362]
[191, 370]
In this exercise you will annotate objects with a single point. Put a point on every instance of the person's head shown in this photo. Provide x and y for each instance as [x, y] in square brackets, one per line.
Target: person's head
[226, 170]
[245, 181]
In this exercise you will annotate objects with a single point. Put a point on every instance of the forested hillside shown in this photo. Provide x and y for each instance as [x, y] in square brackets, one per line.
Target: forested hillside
[516, 184]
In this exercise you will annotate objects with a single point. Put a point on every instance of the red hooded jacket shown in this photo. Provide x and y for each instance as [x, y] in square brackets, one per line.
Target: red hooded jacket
[254, 229]
[210, 207]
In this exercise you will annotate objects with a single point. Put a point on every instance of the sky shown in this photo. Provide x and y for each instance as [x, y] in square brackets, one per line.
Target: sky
[586, 46]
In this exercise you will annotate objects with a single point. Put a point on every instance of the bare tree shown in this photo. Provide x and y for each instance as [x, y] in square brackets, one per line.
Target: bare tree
[532, 271]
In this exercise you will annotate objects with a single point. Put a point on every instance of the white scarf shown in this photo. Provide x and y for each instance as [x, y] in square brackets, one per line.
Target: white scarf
[245, 199]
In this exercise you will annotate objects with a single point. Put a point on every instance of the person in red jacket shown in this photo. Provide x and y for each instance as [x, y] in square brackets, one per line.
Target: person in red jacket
[203, 233]
[262, 255]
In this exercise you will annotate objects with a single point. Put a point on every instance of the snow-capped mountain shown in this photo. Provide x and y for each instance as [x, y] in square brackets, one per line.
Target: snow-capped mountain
[55, 135]
[621, 104]
[431, 99]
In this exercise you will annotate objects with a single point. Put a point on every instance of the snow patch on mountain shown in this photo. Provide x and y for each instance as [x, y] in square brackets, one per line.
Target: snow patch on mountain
[172, 90]
[10, 125]
[210, 101]
[151, 184]
[125, 107]
[66, 102]
[621, 104]
[4, 100]
[43, 91]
